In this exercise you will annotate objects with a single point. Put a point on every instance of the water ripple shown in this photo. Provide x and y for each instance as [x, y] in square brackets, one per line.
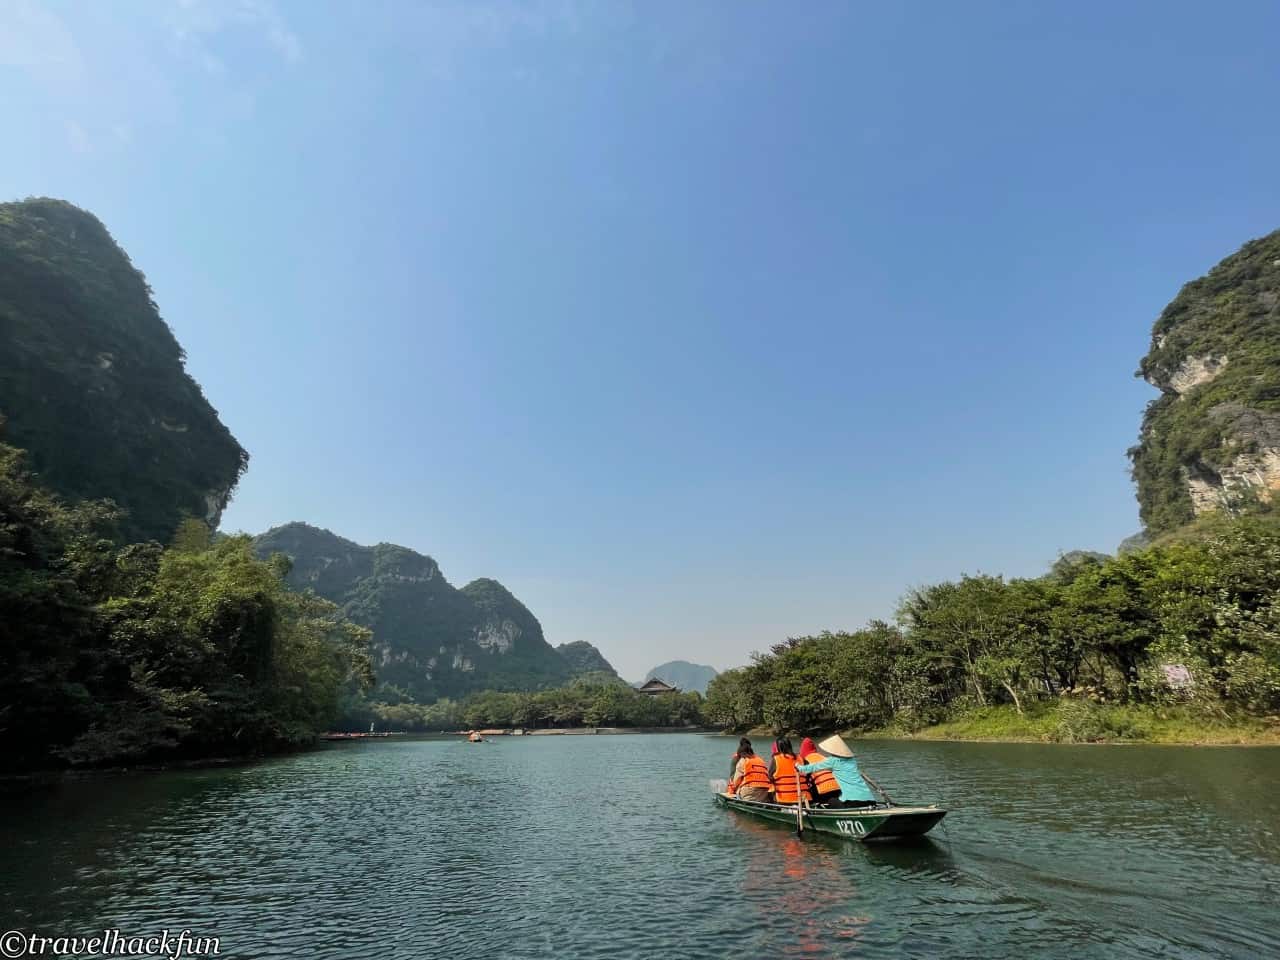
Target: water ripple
[607, 847]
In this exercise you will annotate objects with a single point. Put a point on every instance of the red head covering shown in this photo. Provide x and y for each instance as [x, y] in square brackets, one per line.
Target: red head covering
[775, 748]
[807, 746]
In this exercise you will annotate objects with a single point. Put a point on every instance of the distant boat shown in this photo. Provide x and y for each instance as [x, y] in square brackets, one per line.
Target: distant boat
[856, 823]
[352, 736]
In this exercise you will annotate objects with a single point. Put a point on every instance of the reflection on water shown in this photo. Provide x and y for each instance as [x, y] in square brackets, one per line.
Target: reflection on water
[816, 901]
[610, 847]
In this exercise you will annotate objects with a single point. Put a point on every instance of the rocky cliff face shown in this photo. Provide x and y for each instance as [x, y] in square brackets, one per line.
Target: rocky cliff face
[1211, 440]
[92, 382]
[429, 638]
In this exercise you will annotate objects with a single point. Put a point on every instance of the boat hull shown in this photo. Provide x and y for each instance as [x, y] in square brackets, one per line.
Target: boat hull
[871, 823]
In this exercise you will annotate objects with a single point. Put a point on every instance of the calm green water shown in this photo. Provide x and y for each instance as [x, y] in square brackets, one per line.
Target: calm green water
[609, 847]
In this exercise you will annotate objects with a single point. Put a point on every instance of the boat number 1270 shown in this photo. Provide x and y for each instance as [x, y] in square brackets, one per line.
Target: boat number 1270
[852, 827]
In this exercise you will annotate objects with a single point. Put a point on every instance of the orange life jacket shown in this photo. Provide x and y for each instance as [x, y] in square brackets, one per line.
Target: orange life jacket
[824, 781]
[784, 780]
[754, 774]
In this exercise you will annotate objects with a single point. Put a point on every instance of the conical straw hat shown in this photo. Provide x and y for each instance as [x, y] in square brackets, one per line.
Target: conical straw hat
[835, 746]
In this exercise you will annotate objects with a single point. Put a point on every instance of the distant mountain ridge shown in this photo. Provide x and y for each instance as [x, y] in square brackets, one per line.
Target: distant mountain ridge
[685, 675]
[430, 639]
[92, 381]
[584, 659]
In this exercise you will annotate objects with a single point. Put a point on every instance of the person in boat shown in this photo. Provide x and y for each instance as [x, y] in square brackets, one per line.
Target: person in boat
[750, 777]
[474, 736]
[854, 790]
[788, 786]
[743, 744]
[823, 783]
[773, 756]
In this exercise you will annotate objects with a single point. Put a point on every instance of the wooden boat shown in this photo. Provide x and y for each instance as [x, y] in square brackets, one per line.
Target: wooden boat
[856, 823]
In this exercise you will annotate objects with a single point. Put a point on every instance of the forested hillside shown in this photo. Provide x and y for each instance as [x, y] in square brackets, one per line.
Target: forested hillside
[431, 640]
[585, 660]
[92, 383]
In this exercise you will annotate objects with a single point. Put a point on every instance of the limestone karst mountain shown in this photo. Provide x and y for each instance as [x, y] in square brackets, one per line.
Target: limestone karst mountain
[1211, 440]
[92, 381]
[430, 639]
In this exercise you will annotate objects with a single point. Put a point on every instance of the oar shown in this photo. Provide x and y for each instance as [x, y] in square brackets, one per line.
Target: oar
[878, 788]
[799, 807]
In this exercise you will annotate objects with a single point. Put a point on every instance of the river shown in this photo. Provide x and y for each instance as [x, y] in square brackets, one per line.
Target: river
[609, 847]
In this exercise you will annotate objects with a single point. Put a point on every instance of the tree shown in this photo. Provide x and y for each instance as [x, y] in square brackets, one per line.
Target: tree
[115, 653]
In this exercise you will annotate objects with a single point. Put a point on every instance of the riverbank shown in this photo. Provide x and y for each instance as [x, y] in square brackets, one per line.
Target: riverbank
[1077, 722]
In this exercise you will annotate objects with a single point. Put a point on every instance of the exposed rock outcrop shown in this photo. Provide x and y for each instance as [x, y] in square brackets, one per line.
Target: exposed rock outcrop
[1194, 371]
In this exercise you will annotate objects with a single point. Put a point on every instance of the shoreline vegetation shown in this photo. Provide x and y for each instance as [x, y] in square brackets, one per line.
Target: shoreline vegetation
[594, 700]
[120, 654]
[1121, 726]
[1175, 643]
[1109, 726]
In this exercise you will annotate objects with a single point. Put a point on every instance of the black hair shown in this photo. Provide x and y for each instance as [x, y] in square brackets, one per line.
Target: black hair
[784, 746]
[744, 748]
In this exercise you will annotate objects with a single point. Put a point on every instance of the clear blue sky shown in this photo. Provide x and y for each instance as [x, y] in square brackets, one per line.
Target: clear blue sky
[696, 324]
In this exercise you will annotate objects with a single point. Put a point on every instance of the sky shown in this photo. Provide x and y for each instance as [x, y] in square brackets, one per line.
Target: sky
[698, 325]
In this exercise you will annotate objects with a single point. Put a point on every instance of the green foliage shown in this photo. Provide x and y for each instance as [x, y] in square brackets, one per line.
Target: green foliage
[579, 704]
[92, 380]
[605, 702]
[113, 654]
[1095, 633]
[1069, 566]
[1082, 720]
[53, 558]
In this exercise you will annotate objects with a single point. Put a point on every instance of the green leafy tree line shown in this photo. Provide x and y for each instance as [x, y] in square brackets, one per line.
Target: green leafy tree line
[116, 654]
[594, 700]
[1096, 629]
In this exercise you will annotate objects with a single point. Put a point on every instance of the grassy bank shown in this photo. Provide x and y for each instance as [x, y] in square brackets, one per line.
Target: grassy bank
[1080, 722]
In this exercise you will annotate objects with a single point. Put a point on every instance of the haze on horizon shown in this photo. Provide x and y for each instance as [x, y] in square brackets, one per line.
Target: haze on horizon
[698, 326]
